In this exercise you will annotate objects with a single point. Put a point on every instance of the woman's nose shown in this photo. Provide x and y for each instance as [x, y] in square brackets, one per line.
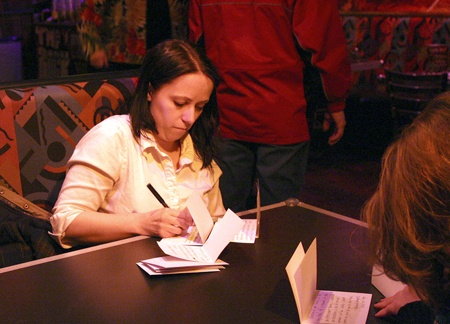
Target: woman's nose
[189, 116]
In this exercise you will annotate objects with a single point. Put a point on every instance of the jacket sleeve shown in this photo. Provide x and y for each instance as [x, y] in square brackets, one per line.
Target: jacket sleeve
[318, 29]
[195, 21]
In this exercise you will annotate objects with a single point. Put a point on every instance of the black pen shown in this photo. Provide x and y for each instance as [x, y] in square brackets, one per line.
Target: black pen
[157, 195]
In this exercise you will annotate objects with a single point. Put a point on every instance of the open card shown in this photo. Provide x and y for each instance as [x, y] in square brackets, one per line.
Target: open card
[200, 214]
[247, 234]
[215, 237]
[171, 265]
[322, 306]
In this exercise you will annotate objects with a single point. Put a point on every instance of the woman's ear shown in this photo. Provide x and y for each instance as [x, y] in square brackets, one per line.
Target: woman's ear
[149, 92]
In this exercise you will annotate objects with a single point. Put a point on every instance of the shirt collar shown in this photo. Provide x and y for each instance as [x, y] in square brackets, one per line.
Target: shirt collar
[187, 147]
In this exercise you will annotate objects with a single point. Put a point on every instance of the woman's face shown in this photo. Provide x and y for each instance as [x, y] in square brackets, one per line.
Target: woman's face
[177, 105]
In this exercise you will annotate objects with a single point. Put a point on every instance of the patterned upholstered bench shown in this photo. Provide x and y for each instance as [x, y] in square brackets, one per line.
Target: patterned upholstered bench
[40, 125]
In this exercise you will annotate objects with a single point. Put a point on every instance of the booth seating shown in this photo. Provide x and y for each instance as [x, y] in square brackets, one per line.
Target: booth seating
[41, 123]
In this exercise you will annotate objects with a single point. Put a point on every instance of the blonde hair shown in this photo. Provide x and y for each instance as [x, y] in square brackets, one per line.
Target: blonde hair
[409, 214]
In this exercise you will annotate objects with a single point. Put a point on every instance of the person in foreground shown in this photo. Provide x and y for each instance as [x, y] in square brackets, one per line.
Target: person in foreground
[409, 218]
[165, 141]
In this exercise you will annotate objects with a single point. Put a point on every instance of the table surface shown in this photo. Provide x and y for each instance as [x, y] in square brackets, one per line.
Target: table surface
[103, 284]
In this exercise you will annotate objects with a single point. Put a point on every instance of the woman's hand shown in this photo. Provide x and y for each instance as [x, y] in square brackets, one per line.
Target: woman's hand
[391, 305]
[165, 222]
[97, 227]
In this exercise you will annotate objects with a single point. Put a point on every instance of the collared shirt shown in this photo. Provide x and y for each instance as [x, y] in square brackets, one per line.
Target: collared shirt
[109, 172]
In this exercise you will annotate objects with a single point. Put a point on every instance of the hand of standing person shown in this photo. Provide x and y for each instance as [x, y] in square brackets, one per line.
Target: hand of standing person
[338, 119]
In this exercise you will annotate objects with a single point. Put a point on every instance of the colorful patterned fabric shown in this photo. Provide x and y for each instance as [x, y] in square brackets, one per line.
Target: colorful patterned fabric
[116, 26]
[403, 43]
[40, 126]
[123, 28]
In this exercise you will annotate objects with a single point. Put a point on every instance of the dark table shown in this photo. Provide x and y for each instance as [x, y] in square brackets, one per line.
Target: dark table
[103, 284]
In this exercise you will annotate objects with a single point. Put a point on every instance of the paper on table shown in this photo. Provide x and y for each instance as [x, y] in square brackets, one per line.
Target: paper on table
[147, 269]
[201, 216]
[172, 265]
[150, 270]
[384, 284]
[321, 306]
[303, 287]
[172, 262]
[221, 234]
[185, 252]
[339, 307]
[247, 234]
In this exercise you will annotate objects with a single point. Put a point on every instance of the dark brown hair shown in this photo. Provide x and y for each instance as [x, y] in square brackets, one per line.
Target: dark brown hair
[164, 63]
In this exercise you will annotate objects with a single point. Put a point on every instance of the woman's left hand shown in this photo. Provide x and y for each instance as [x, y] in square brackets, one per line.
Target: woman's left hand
[391, 305]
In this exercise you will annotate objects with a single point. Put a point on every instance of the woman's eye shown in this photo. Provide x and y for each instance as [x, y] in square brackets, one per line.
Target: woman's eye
[199, 108]
[179, 104]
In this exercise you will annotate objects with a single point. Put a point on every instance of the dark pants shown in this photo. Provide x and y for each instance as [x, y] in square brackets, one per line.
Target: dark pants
[280, 170]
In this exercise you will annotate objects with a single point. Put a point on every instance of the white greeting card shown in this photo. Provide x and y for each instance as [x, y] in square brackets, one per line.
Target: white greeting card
[322, 306]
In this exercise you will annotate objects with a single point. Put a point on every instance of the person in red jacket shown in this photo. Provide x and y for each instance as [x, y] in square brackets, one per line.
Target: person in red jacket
[261, 49]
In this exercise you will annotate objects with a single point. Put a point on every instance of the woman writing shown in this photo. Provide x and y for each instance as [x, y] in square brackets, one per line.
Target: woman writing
[165, 141]
[409, 218]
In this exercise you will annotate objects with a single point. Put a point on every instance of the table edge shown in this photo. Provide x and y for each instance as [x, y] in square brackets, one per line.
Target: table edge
[142, 237]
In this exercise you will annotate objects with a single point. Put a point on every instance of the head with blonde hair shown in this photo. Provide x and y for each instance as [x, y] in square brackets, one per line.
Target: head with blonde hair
[409, 214]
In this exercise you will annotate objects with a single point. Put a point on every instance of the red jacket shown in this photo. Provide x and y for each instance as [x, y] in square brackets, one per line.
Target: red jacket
[253, 45]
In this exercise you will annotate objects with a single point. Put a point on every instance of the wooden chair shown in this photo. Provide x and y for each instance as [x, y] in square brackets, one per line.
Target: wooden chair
[410, 92]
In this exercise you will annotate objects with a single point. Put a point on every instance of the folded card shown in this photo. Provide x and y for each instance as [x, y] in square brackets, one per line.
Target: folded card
[322, 306]
[171, 265]
[221, 234]
[214, 236]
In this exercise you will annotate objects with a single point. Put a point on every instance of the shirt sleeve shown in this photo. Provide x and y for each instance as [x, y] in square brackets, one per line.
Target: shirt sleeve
[84, 189]
[91, 176]
[318, 29]
[415, 312]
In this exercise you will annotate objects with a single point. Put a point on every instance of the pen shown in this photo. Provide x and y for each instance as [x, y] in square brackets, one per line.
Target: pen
[157, 195]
